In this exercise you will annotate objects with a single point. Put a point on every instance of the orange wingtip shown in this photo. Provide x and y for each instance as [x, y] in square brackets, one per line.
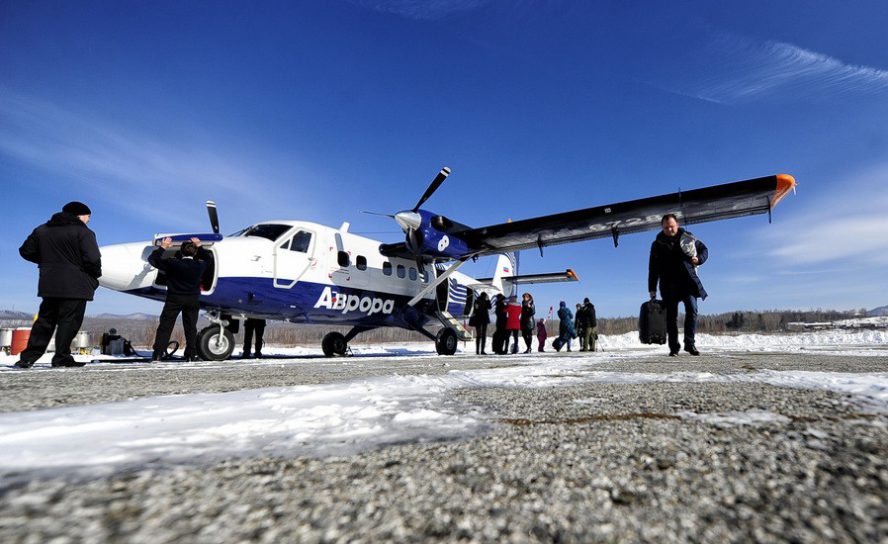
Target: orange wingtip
[572, 275]
[785, 184]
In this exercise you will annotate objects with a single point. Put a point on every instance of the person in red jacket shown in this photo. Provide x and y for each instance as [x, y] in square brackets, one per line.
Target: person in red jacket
[513, 325]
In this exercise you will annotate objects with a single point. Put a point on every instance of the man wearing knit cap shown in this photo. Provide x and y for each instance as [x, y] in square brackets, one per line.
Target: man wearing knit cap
[67, 254]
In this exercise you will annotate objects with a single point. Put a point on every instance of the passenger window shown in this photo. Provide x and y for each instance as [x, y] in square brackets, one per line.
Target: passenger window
[412, 272]
[387, 268]
[361, 262]
[401, 271]
[300, 242]
[343, 259]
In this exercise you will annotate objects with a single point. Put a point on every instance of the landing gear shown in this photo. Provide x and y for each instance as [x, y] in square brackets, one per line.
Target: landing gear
[334, 343]
[446, 341]
[215, 343]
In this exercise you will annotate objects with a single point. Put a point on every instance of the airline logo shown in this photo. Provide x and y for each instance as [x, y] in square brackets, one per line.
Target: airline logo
[333, 300]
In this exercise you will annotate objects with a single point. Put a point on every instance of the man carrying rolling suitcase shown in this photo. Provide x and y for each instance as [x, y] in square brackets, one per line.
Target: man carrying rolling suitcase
[675, 256]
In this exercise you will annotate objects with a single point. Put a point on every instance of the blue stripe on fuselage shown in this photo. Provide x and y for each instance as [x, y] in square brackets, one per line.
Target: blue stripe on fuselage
[259, 297]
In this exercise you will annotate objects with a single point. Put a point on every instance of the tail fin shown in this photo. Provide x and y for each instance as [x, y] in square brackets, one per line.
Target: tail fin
[506, 267]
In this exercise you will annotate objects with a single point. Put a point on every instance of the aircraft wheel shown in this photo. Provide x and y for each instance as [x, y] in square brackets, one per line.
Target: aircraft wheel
[446, 342]
[212, 346]
[334, 344]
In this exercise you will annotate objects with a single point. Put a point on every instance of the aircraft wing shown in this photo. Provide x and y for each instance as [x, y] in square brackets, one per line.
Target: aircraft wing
[741, 198]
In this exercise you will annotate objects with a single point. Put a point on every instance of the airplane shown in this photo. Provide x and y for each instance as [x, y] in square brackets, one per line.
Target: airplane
[304, 272]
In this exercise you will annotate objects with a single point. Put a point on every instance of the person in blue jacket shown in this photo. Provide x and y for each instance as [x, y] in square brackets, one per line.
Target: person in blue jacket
[675, 256]
[566, 331]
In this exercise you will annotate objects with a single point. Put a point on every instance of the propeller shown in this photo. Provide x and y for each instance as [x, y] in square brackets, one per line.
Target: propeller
[410, 220]
[439, 179]
[214, 216]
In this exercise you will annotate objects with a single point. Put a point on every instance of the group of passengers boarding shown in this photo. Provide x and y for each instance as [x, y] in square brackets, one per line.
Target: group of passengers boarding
[70, 264]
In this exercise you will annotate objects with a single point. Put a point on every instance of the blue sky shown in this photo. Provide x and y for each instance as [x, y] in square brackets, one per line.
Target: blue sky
[317, 110]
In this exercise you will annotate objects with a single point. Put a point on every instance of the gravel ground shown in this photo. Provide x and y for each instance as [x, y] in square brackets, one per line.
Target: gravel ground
[589, 463]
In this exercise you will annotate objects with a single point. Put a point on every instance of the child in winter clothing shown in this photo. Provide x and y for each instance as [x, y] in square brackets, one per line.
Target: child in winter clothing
[541, 334]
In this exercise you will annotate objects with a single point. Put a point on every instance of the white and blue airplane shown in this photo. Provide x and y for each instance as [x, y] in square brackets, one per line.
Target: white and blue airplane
[303, 272]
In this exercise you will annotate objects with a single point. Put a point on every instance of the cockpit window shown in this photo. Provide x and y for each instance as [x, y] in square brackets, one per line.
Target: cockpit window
[301, 241]
[270, 231]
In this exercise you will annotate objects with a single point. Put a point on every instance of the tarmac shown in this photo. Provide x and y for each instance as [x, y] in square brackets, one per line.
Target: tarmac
[591, 462]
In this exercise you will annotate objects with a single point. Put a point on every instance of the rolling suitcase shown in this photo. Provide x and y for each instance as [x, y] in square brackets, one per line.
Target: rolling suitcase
[652, 322]
[558, 343]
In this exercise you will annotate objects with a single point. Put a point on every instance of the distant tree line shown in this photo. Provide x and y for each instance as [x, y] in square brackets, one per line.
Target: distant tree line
[141, 331]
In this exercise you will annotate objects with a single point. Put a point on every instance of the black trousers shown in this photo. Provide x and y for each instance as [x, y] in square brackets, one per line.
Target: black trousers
[62, 315]
[527, 334]
[480, 337]
[251, 326]
[690, 321]
[189, 305]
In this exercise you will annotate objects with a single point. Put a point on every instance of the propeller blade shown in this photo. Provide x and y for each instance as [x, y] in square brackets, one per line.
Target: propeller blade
[377, 213]
[214, 216]
[439, 179]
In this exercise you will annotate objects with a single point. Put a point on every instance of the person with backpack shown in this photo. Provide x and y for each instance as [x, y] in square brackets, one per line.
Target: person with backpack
[675, 256]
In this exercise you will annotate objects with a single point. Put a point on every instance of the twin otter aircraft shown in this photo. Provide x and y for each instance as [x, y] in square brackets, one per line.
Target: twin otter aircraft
[309, 273]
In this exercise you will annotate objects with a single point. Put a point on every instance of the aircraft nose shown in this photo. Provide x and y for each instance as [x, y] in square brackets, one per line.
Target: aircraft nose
[125, 266]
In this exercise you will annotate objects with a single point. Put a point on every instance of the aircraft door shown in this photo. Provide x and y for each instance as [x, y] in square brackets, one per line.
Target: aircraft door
[292, 257]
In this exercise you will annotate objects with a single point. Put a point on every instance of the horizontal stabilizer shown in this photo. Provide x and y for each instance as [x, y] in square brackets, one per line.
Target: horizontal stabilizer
[527, 279]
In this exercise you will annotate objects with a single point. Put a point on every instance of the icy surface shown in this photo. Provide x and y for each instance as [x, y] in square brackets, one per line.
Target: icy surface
[343, 418]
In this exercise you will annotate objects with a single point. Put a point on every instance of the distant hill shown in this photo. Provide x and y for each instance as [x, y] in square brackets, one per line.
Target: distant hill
[139, 316]
[11, 314]
[877, 312]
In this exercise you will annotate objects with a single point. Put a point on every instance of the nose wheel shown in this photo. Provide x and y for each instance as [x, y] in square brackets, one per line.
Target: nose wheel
[215, 343]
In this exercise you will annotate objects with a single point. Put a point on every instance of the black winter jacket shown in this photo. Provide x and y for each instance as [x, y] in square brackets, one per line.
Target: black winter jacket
[183, 275]
[66, 251]
[500, 311]
[528, 323]
[480, 312]
[586, 316]
[673, 269]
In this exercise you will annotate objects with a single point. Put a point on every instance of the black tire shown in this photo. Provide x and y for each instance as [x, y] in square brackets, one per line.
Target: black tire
[446, 342]
[213, 347]
[334, 343]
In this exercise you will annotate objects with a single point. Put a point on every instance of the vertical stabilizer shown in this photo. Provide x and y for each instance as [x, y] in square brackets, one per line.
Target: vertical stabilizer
[506, 267]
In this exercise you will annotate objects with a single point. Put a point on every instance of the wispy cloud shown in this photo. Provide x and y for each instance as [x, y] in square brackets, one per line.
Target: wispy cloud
[849, 225]
[146, 174]
[422, 10]
[734, 69]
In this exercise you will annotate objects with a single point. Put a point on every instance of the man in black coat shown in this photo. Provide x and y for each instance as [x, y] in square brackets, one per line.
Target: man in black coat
[183, 294]
[675, 256]
[70, 264]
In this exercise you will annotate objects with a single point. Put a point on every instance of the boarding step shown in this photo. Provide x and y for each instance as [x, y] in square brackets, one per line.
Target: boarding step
[449, 321]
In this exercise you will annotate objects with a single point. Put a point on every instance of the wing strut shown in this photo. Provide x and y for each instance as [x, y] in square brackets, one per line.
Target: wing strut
[437, 281]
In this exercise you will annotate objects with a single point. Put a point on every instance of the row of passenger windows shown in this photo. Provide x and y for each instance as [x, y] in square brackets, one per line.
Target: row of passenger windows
[344, 259]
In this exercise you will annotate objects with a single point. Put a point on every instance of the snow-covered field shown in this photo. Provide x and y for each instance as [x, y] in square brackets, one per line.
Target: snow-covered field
[356, 415]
